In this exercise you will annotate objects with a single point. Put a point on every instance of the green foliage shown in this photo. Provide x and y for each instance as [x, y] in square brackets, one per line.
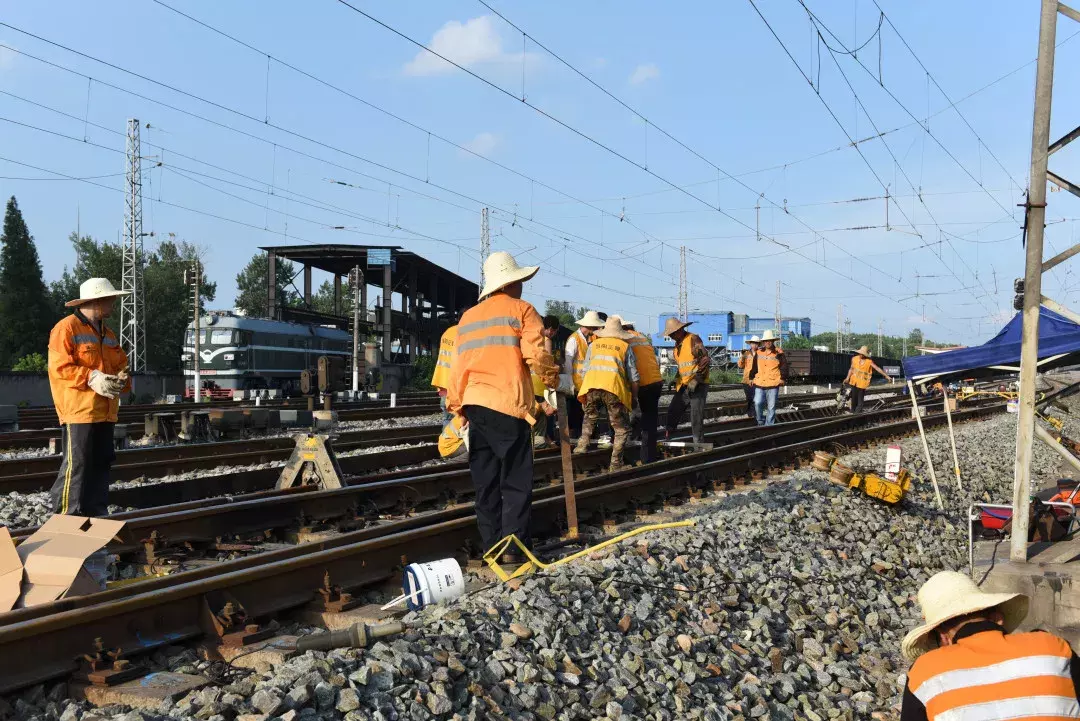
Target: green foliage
[892, 346]
[423, 369]
[567, 313]
[718, 376]
[26, 313]
[798, 342]
[35, 362]
[251, 286]
[92, 260]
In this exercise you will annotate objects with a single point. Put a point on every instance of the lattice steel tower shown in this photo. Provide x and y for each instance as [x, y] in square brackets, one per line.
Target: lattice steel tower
[485, 242]
[133, 305]
[684, 299]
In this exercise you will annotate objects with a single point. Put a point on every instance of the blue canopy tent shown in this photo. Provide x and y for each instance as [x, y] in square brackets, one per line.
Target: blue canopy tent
[1059, 337]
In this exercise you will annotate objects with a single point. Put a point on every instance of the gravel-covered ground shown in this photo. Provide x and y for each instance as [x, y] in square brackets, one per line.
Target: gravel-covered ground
[780, 603]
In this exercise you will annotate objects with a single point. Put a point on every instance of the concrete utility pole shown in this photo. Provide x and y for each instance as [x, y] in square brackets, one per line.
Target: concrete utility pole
[779, 318]
[485, 242]
[193, 277]
[879, 331]
[357, 280]
[684, 299]
[133, 305]
[839, 328]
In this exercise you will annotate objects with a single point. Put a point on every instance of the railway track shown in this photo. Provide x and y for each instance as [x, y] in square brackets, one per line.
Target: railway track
[41, 643]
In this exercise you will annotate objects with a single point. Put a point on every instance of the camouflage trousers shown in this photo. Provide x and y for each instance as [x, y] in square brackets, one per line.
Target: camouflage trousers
[618, 417]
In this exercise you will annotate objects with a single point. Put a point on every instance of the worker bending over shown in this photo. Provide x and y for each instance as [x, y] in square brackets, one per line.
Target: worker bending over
[573, 365]
[692, 382]
[650, 388]
[768, 373]
[859, 377]
[746, 362]
[610, 380]
[87, 374]
[970, 665]
[441, 377]
[498, 342]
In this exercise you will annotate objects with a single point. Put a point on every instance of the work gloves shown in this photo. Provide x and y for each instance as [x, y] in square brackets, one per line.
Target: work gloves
[693, 385]
[635, 414]
[550, 398]
[106, 385]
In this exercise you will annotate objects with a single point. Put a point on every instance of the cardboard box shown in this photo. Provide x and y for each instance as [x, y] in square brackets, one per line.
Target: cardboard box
[54, 555]
[11, 572]
[894, 458]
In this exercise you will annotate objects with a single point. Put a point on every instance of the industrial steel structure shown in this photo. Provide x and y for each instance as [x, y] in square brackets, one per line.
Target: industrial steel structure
[133, 305]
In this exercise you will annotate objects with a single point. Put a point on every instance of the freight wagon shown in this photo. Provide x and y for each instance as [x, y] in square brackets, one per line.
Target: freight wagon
[824, 367]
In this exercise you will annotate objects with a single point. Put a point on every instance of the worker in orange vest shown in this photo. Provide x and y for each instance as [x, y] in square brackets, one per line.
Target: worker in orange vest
[768, 373]
[610, 380]
[692, 379]
[746, 362]
[87, 374]
[968, 663]
[440, 379]
[650, 388]
[498, 342]
[574, 366]
[859, 376]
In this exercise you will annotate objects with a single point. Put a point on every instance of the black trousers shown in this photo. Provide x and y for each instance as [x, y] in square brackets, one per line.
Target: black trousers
[575, 414]
[649, 403]
[82, 486]
[696, 401]
[749, 390]
[501, 463]
[857, 395]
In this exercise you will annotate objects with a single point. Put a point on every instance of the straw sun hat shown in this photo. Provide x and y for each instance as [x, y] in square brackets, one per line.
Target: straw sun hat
[591, 320]
[95, 289]
[865, 350]
[674, 324]
[948, 595]
[613, 329]
[769, 335]
[501, 270]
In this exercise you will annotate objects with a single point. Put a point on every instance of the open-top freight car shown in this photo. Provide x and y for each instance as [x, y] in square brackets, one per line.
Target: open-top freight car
[825, 367]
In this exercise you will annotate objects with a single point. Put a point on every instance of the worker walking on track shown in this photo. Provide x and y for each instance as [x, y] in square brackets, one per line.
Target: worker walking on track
[610, 380]
[650, 388]
[498, 342]
[859, 377]
[768, 372]
[573, 365]
[87, 374]
[692, 382]
[441, 377]
[746, 362]
[970, 665]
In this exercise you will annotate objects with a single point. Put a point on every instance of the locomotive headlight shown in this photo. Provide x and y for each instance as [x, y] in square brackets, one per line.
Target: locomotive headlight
[228, 356]
[185, 356]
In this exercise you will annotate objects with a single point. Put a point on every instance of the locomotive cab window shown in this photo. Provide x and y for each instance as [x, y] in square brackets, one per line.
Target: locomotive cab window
[221, 336]
[189, 337]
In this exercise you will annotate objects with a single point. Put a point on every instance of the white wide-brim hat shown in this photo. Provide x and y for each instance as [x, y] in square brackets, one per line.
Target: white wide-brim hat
[948, 595]
[626, 324]
[591, 320]
[613, 329]
[95, 289]
[500, 270]
[769, 335]
[755, 339]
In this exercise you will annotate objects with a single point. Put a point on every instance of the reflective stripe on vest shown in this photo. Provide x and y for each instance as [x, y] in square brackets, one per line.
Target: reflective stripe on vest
[645, 355]
[579, 357]
[684, 357]
[85, 338]
[861, 371]
[768, 369]
[441, 377]
[606, 369]
[990, 675]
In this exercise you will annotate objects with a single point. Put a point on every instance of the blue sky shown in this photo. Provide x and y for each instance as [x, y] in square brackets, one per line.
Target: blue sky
[606, 231]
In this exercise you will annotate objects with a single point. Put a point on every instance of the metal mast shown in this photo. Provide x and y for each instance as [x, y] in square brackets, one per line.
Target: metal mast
[133, 305]
[839, 328]
[779, 318]
[485, 242]
[879, 332]
[684, 300]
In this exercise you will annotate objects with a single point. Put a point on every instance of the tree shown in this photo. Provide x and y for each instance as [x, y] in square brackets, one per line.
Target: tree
[915, 337]
[565, 311]
[168, 302]
[797, 342]
[251, 286]
[34, 362]
[92, 260]
[26, 311]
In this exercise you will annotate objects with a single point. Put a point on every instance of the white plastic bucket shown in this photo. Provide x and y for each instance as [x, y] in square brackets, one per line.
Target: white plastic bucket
[432, 582]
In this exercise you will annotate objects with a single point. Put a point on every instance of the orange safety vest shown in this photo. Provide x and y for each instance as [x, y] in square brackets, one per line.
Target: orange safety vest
[441, 377]
[76, 349]
[498, 341]
[768, 369]
[645, 355]
[684, 357]
[606, 369]
[746, 363]
[452, 439]
[861, 371]
[579, 356]
[991, 675]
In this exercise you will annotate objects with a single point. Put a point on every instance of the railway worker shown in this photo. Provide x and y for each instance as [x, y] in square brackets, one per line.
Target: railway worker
[692, 380]
[573, 365]
[441, 377]
[746, 362]
[768, 372]
[87, 374]
[499, 341]
[454, 439]
[969, 664]
[859, 376]
[650, 388]
[611, 380]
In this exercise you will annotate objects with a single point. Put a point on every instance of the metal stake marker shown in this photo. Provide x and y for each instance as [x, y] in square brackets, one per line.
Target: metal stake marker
[925, 447]
[952, 439]
[567, 469]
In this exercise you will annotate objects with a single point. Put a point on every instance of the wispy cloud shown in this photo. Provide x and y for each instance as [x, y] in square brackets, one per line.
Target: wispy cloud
[644, 73]
[469, 44]
[7, 59]
[483, 144]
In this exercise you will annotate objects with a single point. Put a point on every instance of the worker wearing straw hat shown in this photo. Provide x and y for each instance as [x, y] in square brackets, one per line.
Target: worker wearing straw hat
[650, 387]
[768, 373]
[574, 366]
[970, 665]
[746, 362]
[610, 380]
[859, 376]
[87, 374]
[692, 382]
[499, 341]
